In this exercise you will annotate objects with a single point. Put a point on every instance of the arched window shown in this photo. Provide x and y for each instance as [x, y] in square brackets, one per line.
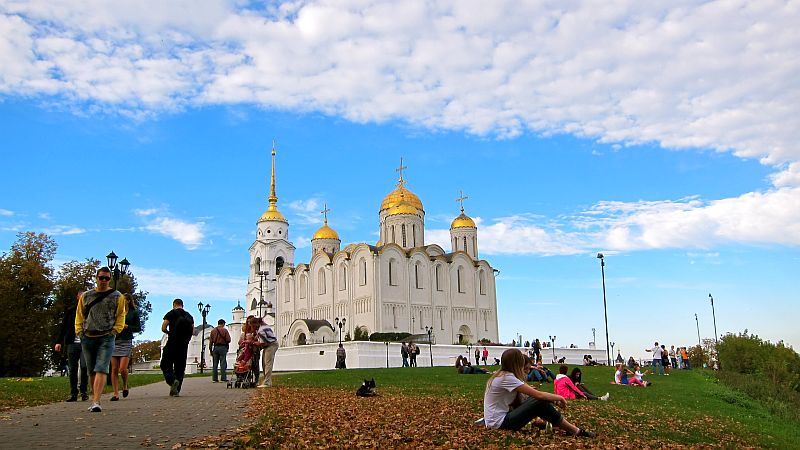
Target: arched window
[417, 276]
[342, 277]
[438, 276]
[459, 275]
[321, 281]
[362, 271]
[278, 265]
[482, 282]
[392, 274]
[303, 286]
[441, 319]
[414, 234]
[393, 239]
[286, 286]
[403, 233]
[254, 304]
[394, 316]
[257, 265]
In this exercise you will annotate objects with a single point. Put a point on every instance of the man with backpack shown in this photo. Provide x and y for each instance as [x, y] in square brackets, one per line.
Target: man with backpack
[99, 317]
[179, 326]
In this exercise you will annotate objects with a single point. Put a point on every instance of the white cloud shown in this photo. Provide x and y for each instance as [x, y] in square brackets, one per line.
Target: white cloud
[307, 211]
[189, 234]
[172, 284]
[718, 75]
[145, 212]
[6, 213]
[63, 230]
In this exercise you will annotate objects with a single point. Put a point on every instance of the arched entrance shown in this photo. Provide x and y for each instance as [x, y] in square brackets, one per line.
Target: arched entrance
[465, 335]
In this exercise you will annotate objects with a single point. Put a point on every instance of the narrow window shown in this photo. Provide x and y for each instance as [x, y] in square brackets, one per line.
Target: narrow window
[321, 281]
[303, 286]
[416, 276]
[286, 287]
[393, 239]
[482, 281]
[414, 234]
[438, 277]
[342, 277]
[394, 317]
[403, 233]
[362, 276]
[458, 279]
[391, 272]
[441, 319]
[465, 243]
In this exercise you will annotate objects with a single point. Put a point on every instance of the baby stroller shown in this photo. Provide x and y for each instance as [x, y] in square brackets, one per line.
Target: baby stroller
[244, 369]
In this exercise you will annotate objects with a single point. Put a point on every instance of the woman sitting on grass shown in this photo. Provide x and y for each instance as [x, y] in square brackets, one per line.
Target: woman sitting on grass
[502, 409]
[575, 377]
[621, 376]
[564, 386]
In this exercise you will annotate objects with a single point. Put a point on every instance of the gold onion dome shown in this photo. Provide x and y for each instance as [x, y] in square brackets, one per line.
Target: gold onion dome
[326, 232]
[272, 213]
[462, 221]
[401, 194]
[403, 207]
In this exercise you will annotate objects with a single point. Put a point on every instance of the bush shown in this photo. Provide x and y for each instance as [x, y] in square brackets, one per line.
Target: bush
[388, 337]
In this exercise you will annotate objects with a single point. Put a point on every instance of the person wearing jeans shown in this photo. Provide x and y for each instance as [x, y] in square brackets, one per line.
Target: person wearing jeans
[68, 340]
[220, 340]
[657, 367]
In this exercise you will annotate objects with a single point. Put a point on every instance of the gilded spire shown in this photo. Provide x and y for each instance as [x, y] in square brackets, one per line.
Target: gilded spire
[272, 212]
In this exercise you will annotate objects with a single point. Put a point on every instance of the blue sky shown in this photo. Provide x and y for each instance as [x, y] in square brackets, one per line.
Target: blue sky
[663, 136]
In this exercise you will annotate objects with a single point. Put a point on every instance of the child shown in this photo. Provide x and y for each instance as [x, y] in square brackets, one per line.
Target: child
[501, 408]
[575, 377]
[639, 376]
[564, 386]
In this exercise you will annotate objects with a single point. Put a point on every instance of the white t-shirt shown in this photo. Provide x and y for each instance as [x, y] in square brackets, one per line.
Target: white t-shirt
[656, 352]
[498, 398]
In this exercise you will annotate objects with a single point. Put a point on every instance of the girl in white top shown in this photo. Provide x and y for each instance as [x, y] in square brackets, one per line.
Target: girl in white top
[503, 409]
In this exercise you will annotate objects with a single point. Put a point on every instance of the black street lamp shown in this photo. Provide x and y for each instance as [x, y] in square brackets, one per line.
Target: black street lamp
[605, 308]
[553, 341]
[699, 344]
[594, 338]
[203, 312]
[612, 347]
[469, 351]
[340, 324]
[387, 354]
[429, 330]
[262, 274]
[117, 269]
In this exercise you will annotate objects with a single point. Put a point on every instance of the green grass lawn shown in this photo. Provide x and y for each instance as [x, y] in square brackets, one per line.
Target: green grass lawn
[687, 407]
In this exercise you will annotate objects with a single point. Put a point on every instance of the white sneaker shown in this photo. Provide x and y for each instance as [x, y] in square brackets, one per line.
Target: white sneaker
[95, 407]
[480, 422]
[605, 397]
[548, 428]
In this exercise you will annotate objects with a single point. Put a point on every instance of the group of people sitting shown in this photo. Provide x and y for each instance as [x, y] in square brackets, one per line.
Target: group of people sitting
[463, 366]
[628, 377]
[588, 361]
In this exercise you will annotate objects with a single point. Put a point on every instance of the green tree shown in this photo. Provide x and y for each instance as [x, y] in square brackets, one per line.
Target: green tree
[128, 285]
[146, 351]
[26, 284]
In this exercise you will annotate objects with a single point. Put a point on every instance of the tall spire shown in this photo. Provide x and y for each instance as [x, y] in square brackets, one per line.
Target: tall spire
[400, 169]
[325, 211]
[460, 199]
[273, 199]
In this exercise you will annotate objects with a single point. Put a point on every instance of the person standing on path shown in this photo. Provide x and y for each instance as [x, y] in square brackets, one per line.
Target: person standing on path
[657, 367]
[219, 341]
[485, 355]
[341, 357]
[179, 326]
[477, 356]
[100, 316]
[413, 351]
[269, 343]
[404, 354]
[71, 342]
[123, 346]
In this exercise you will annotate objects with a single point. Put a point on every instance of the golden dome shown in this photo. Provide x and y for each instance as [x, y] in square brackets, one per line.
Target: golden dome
[398, 195]
[403, 207]
[272, 213]
[462, 221]
[326, 232]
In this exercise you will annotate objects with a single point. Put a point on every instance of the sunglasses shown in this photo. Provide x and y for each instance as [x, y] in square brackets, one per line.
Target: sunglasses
[104, 278]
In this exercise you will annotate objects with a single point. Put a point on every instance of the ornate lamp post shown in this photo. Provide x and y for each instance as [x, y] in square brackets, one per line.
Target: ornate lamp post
[262, 274]
[612, 347]
[594, 338]
[340, 324]
[469, 351]
[203, 312]
[699, 344]
[714, 315]
[553, 340]
[605, 308]
[117, 269]
[429, 330]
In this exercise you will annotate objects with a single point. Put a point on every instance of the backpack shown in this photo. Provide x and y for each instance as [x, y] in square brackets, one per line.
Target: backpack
[416, 351]
[183, 329]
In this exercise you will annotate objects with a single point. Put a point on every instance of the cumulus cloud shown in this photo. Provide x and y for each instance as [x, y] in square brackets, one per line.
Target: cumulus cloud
[719, 75]
[189, 234]
[766, 218]
[6, 213]
[63, 230]
[307, 211]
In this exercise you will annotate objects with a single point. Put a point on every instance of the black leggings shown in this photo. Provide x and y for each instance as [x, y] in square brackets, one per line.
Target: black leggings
[530, 408]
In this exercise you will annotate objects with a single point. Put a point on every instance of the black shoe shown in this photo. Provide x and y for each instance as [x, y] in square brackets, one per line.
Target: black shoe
[74, 398]
[125, 393]
[115, 399]
[584, 433]
[84, 397]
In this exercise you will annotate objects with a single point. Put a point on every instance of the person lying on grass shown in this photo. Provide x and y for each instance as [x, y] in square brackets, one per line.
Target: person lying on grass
[503, 409]
[465, 367]
[621, 376]
[564, 387]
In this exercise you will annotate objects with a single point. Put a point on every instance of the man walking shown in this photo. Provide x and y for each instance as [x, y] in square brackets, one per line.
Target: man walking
[99, 317]
[269, 343]
[657, 367]
[404, 354]
[71, 343]
[179, 326]
[219, 341]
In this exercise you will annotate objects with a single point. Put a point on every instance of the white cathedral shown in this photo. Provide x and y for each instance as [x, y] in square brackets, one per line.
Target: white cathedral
[400, 284]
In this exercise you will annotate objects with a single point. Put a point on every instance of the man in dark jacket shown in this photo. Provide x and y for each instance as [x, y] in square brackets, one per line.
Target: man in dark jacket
[179, 326]
[71, 343]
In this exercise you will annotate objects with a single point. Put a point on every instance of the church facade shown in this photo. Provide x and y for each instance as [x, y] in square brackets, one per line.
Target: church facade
[399, 284]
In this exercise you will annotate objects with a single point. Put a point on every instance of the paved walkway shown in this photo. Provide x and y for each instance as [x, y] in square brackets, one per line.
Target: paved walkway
[149, 417]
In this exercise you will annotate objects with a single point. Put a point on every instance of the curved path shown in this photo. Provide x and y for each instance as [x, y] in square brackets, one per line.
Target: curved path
[149, 417]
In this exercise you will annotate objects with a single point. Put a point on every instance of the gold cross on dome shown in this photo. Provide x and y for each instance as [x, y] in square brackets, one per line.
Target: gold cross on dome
[325, 211]
[461, 198]
[400, 169]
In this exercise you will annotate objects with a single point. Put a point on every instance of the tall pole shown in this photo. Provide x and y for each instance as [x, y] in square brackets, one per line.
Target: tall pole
[430, 344]
[699, 344]
[714, 315]
[387, 354]
[605, 308]
[203, 312]
[553, 341]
